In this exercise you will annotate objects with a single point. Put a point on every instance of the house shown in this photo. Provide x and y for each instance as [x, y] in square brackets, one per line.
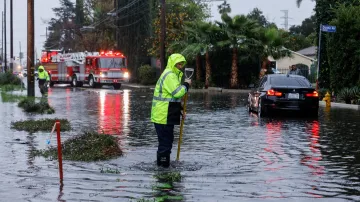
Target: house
[309, 52]
[283, 64]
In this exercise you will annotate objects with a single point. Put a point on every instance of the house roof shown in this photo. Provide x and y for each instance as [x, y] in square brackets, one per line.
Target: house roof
[296, 53]
[308, 51]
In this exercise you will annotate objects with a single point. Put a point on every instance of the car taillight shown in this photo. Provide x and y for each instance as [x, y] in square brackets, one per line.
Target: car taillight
[313, 94]
[274, 93]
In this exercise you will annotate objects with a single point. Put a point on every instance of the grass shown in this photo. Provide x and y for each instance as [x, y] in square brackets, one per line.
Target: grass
[40, 125]
[8, 97]
[168, 177]
[109, 170]
[87, 147]
[29, 105]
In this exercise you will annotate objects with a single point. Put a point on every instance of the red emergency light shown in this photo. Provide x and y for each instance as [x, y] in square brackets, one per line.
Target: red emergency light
[110, 53]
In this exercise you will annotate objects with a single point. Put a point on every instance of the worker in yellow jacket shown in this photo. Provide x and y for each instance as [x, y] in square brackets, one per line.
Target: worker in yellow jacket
[44, 79]
[166, 106]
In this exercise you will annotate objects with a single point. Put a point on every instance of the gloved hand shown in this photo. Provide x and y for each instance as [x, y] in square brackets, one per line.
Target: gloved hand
[187, 84]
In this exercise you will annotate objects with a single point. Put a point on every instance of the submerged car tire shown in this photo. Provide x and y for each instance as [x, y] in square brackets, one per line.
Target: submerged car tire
[262, 111]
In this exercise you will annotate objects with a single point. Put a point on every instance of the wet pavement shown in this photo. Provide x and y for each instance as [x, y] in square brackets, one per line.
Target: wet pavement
[227, 153]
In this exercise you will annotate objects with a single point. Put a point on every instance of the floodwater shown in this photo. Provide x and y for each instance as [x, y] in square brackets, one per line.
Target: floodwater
[227, 153]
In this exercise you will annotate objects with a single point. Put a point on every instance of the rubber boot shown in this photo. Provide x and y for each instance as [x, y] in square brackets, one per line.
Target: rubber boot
[158, 162]
[165, 160]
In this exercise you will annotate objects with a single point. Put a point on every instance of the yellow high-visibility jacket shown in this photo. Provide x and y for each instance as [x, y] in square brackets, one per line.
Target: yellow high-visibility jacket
[166, 103]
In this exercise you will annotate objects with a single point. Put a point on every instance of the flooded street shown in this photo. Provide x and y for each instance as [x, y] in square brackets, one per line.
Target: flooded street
[227, 154]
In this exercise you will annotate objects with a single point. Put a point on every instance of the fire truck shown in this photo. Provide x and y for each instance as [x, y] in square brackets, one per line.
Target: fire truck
[93, 68]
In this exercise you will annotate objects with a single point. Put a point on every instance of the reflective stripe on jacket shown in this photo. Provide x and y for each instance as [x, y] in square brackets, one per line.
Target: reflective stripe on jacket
[166, 104]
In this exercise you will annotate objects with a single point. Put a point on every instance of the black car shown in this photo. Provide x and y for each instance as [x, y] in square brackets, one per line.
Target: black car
[284, 92]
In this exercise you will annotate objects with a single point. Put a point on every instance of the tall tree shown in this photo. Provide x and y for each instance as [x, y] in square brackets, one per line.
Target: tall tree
[200, 38]
[257, 15]
[239, 32]
[307, 27]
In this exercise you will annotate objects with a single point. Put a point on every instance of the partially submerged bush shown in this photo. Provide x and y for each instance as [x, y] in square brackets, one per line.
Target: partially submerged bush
[40, 125]
[168, 177]
[29, 105]
[89, 146]
[8, 97]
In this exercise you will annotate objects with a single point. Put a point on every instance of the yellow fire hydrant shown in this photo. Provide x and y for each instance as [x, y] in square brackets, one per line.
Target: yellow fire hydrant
[327, 99]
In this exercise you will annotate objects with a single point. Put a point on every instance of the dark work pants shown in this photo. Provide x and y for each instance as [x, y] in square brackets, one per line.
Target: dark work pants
[165, 137]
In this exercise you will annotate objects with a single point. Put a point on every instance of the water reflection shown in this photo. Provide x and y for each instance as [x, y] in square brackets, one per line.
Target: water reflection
[113, 113]
[312, 159]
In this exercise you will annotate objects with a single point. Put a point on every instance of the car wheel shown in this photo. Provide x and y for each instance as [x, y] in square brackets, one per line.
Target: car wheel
[261, 109]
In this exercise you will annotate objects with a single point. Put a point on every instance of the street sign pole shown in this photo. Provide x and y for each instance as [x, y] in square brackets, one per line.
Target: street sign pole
[318, 65]
[328, 29]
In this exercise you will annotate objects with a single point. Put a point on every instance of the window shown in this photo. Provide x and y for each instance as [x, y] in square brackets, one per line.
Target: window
[289, 81]
[112, 62]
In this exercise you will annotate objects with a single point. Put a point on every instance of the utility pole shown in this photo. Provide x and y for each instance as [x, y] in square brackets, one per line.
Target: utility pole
[30, 49]
[5, 41]
[286, 18]
[11, 37]
[20, 54]
[2, 41]
[162, 36]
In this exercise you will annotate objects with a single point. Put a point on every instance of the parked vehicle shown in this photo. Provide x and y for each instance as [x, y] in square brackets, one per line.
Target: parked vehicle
[283, 92]
[93, 68]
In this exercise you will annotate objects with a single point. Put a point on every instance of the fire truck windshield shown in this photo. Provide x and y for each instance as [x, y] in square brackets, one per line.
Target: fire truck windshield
[112, 62]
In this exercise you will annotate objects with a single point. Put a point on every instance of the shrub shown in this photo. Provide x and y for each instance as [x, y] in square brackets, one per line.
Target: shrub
[350, 95]
[147, 75]
[9, 79]
[40, 125]
[197, 84]
[89, 146]
[29, 105]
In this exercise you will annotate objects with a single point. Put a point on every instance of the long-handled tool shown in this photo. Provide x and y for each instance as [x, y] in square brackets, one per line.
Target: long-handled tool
[191, 72]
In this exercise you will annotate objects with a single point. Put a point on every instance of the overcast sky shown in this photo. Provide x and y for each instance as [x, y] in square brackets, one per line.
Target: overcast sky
[43, 11]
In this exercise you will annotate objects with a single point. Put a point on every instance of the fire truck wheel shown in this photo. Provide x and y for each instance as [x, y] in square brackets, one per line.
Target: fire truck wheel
[117, 86]
[92, 83]
[52, 84]
[74, 82]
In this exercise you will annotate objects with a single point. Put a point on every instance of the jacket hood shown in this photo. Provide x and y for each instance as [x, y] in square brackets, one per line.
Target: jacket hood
[41, 67]
[173, 60]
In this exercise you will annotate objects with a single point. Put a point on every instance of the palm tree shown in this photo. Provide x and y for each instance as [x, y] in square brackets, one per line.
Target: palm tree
[199, 40]
[238, 32]
[269, 43]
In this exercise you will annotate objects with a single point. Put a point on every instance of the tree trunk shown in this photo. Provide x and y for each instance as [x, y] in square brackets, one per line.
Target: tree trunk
[208, 70]
[198, 67]
[234, 69]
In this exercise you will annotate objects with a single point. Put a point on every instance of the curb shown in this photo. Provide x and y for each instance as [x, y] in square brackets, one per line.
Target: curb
[341, 105]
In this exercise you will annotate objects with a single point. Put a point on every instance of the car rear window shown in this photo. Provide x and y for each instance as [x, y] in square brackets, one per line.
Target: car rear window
[289, 81]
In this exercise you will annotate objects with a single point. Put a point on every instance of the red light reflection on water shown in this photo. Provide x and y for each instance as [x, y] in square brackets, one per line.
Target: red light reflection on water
[113, 112]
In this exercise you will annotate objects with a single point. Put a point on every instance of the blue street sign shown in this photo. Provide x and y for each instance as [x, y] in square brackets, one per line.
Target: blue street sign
[328, 28]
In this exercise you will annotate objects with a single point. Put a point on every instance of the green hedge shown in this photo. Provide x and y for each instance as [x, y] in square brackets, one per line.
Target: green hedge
[147, 75]
[9, 79]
